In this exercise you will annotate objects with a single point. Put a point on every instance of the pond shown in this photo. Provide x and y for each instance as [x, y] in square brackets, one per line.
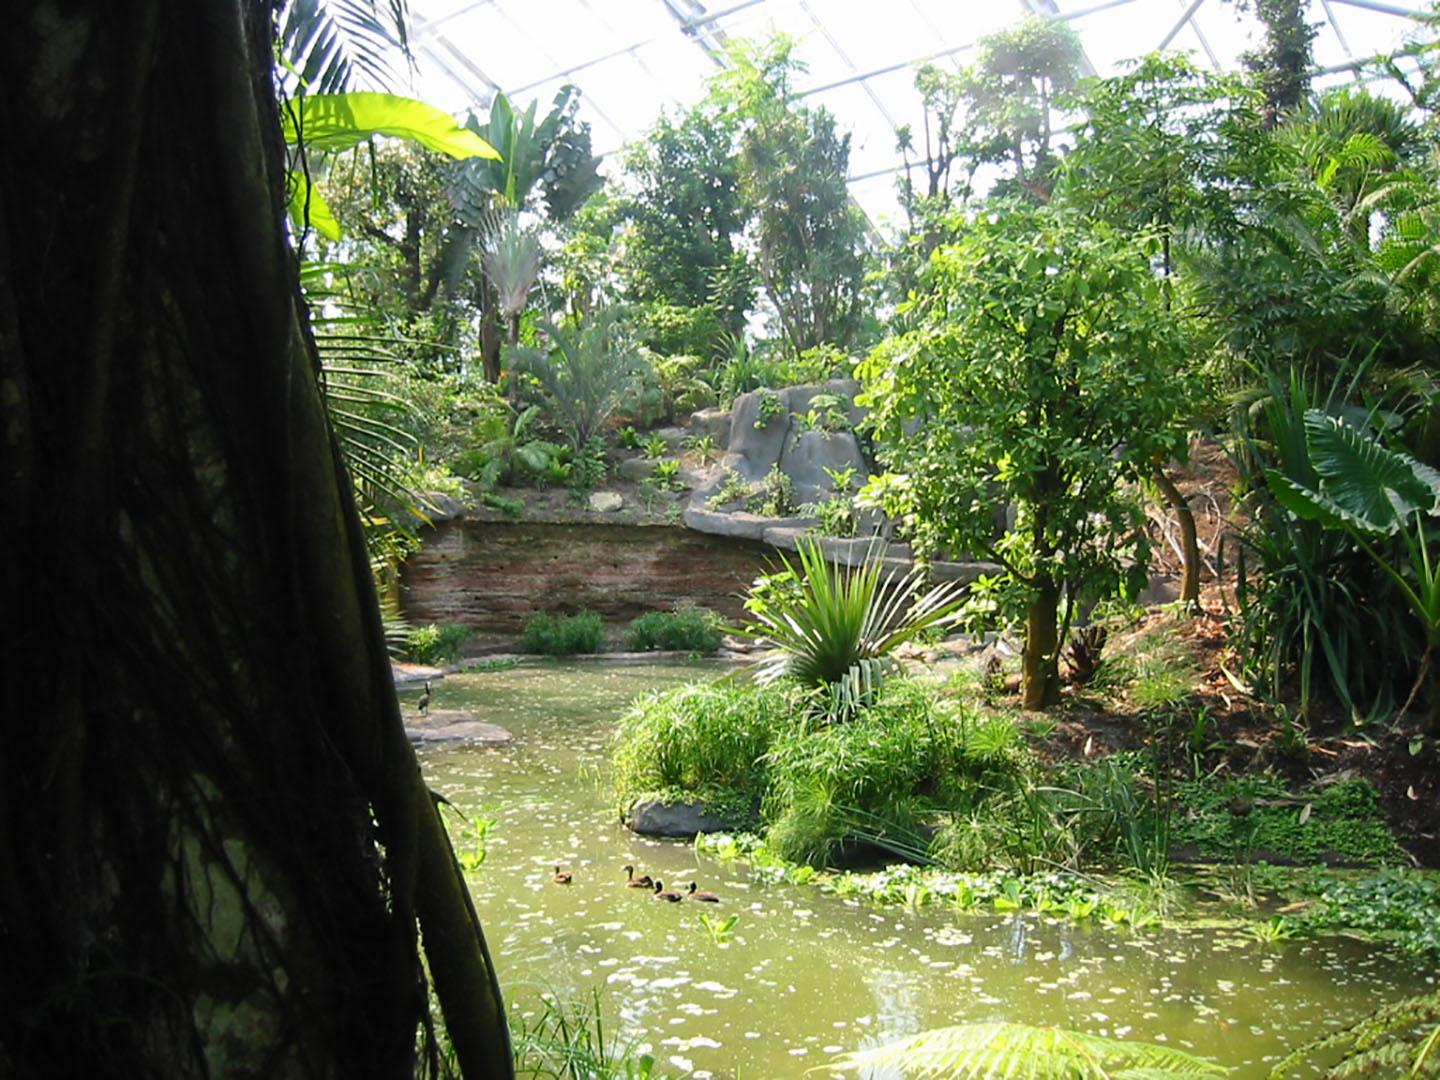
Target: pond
[807, 975]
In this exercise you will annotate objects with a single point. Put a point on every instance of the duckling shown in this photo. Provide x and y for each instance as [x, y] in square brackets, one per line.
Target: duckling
[662, 893]
[641, 882]
[562, 877]
[424, 703]
[703, 897]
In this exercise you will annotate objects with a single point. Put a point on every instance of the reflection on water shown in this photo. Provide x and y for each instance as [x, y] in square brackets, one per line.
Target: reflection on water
[807, 975]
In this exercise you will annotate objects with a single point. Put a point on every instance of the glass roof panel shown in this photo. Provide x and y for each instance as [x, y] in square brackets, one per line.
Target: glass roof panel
[631, 58]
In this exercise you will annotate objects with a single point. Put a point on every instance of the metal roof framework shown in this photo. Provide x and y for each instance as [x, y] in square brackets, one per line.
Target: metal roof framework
[631, 58]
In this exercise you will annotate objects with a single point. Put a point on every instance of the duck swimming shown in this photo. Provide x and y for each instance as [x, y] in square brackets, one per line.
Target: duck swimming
[662, 893]
[641, 882]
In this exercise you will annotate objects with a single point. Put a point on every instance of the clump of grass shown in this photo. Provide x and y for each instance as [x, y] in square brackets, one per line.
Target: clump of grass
[571, 1039]
[885, 776]
[691, 629]
[700, 737]
[435, 643]
[563, 635]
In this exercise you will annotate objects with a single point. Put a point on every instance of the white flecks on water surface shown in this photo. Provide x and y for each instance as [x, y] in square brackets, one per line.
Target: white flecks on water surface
[807, 975]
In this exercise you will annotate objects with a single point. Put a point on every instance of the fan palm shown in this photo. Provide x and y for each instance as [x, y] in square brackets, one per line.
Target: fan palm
[1001, 1051]
[834, 629]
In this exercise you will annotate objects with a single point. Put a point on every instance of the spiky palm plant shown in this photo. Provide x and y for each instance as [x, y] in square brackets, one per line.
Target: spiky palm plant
[834, 629]
[330, 46]
[510, 255]
[1001, 1051]
[592, 369]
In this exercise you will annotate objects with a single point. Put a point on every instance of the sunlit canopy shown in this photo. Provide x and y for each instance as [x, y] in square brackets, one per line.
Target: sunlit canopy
[633, 57]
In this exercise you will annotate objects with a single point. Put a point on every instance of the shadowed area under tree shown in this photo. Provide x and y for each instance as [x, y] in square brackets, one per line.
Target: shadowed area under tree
[219, 854]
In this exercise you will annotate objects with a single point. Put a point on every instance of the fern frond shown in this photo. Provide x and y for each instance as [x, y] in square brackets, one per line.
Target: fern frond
[1003, 1051]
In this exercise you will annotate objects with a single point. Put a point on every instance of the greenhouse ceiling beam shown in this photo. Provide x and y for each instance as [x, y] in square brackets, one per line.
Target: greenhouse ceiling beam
[696, 26]
[689, 25]
[1069, 16]
[1180, 25]
[1335, 25]
[1383, 8]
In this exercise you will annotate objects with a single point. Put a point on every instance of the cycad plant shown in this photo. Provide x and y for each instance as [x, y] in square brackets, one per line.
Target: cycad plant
[591, 370]
[1375, 494]
[834, 629]
[1001, 1051]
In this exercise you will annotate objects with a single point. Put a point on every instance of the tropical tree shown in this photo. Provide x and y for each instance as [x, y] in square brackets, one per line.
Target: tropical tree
[682, 257]
[795, 164]
[221, 857]
[1044, 374]
[541, 161]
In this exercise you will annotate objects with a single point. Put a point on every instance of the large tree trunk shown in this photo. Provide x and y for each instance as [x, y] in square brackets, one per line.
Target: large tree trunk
[214, 838]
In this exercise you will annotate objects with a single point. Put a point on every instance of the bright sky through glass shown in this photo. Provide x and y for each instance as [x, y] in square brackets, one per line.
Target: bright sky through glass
[631, 58]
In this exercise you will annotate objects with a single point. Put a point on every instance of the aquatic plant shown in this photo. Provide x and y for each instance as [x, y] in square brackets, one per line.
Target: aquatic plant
[571, 1041]
[435, 643]
[721, 930]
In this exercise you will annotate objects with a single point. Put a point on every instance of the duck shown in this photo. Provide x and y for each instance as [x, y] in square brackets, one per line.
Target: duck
[424, 703]
[562, 877]
[703, 897]
[641, 882]
[662, 893]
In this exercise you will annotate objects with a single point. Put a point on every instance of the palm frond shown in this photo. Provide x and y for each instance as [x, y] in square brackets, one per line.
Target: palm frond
[331, 46]
[1001, 1051]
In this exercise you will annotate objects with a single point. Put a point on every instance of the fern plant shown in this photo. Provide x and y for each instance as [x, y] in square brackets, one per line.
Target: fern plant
[1402, 1039]
[1001, 1051]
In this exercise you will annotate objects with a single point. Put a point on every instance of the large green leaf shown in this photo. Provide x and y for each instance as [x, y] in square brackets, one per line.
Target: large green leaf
[340, 121]
[308, 207]
[1380, 487]
[1000, 1051]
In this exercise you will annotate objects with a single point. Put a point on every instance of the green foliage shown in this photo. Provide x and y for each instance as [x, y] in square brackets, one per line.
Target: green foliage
[627, 438]
[1399, 1039]
[331, 47]
[733, 490]
[1044, 372]
[551, 155]
[682, 261]
[881, 777]
[435, 644]
[571, 1040]
[699, 738]
[1284, 63]
[655, 447]
[776, 495]
[1000, 1051]
[563, 635]
[768, 406]
[1320, 610]
[837, 515]
[686, 629]
[834, 629]
[720, 930]
[590, 373]
[794, 164]
[1342, 819]
[1401, 907]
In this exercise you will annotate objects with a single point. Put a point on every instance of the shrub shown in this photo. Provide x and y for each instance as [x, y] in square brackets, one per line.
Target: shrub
[563, 635]
[700, 737]
[435, 644]
[681, 630]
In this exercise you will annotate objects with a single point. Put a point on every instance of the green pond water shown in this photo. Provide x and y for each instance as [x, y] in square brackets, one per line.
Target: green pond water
[808, 975]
